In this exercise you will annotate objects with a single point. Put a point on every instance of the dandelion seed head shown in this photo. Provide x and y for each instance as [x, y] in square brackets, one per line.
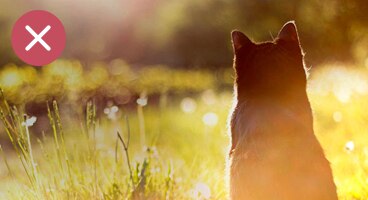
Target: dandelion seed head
[114, 109]
[30, 121]
[111, 112]
[142, 101]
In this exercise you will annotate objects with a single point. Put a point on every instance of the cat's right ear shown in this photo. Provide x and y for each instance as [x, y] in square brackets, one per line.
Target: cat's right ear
[240, 41]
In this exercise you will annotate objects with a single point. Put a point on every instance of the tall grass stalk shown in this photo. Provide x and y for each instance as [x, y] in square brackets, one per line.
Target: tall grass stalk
[14, 126]
[55, 134]
[126, 148]
[142, 101]
[6, 162]
[30, 150]
[62, 138]
[91, 121]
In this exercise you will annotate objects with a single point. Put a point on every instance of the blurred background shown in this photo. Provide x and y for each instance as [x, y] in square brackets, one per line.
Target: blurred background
[168, 66]
[188, 33]
[109, 42]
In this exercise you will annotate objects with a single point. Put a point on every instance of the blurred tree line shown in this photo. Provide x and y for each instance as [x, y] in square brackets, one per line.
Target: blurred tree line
[192, 33]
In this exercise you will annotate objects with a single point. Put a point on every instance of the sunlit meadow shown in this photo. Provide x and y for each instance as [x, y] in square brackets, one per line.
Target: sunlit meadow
[111, 132]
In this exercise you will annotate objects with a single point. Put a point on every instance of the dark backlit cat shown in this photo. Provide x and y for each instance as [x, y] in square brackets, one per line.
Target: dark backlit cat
[274, 153]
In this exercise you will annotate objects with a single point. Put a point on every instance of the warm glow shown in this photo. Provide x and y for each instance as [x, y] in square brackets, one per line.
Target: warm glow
[111, 112]
[201, 191]
[10, 78]
[209, 97]
[349, 146]
[210, 119]
[337, 116]
[188, 105]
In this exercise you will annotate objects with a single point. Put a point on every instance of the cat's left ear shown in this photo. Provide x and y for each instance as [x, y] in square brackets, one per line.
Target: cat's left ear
[289, 33]
[240, 41]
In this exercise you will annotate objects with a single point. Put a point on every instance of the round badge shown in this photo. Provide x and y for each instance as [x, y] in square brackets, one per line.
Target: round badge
[38, 37]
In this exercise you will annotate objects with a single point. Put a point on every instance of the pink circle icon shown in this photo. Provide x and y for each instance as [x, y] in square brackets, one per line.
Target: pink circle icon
[38, 38]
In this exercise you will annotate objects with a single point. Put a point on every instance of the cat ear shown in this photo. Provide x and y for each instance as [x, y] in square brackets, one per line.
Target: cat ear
[289, 33]
[239, 40]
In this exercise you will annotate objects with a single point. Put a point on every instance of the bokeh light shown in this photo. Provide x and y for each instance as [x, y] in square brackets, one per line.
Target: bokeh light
[201, 191]
[188, 105]
[210, 119]
[337, 116]
[111, 112]
[349, 146]
[209, 97]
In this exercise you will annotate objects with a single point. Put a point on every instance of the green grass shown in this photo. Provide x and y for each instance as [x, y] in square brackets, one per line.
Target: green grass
[172, 154]
[87, 160]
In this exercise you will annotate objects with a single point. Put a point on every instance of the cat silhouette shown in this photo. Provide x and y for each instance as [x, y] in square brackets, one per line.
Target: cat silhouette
[274, 153]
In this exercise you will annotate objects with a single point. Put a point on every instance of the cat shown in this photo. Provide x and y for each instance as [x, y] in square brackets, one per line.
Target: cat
[274, 154]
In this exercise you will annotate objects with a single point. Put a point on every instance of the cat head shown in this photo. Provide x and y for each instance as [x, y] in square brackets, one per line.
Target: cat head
[271, 70]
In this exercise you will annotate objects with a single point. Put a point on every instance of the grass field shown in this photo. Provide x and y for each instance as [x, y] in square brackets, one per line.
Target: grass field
[174, 148]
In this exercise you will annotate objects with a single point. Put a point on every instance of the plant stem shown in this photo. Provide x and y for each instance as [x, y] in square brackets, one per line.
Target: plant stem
[127, 157]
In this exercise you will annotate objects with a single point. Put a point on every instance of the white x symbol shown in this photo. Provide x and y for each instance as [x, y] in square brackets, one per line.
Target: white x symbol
[38, 38]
